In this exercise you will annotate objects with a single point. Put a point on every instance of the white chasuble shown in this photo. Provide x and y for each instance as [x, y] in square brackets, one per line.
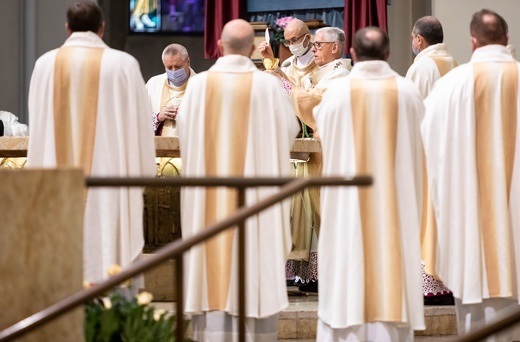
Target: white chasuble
[313, 85]
[470, 135]
[161, 94]
[369, 250]
[430, 65]
[88, 108]
[235, 121]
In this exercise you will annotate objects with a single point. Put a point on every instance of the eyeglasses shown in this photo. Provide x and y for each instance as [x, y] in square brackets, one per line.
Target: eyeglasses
[318, 45]
[287, 43]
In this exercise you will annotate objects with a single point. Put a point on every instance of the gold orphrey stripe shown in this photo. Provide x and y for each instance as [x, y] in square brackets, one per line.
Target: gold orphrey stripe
[488, 165]
[83, 92]
[428, 221]
[444, 65]
[225, 155]
[375, 154]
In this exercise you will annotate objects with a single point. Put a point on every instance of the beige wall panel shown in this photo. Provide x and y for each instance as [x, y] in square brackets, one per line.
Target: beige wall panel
[41, 248]
[455, 16]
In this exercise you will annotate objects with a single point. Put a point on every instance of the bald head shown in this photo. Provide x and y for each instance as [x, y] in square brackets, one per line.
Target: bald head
[370, 43]
[488, 27]
[295, 28]
[430, 29]
[237, 38]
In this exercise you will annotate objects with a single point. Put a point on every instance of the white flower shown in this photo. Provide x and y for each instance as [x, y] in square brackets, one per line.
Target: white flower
[107, 302]
[113, 270]
[144, 298]
[158, 313]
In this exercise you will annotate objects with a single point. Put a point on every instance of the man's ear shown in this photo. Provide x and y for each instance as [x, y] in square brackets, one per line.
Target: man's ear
[420, 42]
[353, 54]
[220, 47]
[474, 43]
[67, 29]
[101, 30]
[335, 48]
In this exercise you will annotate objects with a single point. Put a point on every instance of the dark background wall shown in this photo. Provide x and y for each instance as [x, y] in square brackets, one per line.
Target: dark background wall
[30, 28]
[147, 48]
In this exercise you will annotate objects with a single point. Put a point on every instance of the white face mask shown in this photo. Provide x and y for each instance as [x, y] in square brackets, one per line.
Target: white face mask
[298, 49]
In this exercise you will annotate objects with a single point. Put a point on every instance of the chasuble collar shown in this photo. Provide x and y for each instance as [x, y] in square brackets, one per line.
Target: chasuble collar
[492, 53]
[89, 39]
[372, 70]
[305, 59]
[433, 50]
[329, 68]
[234, 63]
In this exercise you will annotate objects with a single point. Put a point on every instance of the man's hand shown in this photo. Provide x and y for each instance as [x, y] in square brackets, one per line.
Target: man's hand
[168, 113]
[265, 50]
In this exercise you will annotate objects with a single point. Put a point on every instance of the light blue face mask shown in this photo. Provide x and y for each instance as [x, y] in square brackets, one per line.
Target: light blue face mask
[177, 77]
[414, 50]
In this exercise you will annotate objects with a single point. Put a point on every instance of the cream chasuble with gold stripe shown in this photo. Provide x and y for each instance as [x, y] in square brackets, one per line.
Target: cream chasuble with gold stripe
[369, 246]
[235, 121]
[88, 108]
[313, 85]
[295, 73]
[472, 151]
[429, 65]
[161, 94]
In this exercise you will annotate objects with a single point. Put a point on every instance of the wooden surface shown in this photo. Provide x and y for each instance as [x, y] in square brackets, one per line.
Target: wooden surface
[164, 147]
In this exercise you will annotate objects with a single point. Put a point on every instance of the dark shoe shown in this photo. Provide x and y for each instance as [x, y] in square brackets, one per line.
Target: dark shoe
[309, 287]
[446, 299]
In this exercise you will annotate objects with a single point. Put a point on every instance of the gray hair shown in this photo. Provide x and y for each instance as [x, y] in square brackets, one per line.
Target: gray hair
[334, 34]
[174, 49]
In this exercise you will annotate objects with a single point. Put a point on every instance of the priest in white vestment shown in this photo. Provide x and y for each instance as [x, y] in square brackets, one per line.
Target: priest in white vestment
[301, 63]
[432, 61]
[88, 108]
[470, 135]
[369, 248]
[166, 90]
[328, 48]
[235, 121]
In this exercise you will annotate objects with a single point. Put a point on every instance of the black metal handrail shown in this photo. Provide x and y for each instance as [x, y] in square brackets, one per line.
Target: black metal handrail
[175, 249]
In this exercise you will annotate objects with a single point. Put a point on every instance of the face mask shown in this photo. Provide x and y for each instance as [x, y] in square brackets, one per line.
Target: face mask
[177, 77]
[297, 49]
[414, 50]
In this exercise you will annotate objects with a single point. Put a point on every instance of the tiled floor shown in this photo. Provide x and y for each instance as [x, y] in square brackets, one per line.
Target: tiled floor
[298, 322]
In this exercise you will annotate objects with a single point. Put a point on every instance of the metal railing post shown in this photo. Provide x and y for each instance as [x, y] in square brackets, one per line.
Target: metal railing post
[241, 270]
[289, 186]
[179, 295]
